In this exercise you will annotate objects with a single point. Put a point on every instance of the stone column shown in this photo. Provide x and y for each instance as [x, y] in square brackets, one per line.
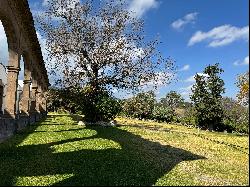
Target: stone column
[25, 100]
[32, 110]
[11, 92]
[24, 105]
[9, 117]
[38, 100]
[43, 104]
[38, 103]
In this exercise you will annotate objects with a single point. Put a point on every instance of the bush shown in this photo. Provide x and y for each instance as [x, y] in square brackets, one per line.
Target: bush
[187, 116]
[163, 114]
[140, 106]
[98, 105]
[236, 116]
[108, 107]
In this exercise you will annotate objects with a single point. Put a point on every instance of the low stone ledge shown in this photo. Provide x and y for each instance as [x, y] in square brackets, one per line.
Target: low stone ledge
[7, 127]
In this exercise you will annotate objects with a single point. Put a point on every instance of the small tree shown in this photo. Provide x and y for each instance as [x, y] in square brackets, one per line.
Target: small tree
[61, 99]
[207, 96]
[236, 116]
[173, 100]
[101, 47]
[243, 85]
[141, 106]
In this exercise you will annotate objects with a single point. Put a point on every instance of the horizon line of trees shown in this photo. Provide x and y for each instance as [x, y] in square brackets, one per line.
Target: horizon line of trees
[208, 109]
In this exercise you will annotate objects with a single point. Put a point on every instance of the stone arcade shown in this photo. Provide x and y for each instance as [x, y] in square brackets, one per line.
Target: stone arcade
[22, 40]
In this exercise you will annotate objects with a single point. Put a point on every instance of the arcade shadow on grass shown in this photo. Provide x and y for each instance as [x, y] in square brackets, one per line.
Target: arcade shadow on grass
[137, 162]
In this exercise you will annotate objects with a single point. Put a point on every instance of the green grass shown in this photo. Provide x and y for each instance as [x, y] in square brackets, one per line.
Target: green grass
[57, 151]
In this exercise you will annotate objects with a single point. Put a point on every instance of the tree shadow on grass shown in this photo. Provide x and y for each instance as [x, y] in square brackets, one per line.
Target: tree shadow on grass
[137, 162]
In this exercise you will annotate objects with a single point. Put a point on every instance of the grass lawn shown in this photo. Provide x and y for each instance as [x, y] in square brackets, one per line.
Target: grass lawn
[57, 151]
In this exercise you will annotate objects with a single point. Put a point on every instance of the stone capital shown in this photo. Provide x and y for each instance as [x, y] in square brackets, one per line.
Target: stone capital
[26, 81]
[13, 69]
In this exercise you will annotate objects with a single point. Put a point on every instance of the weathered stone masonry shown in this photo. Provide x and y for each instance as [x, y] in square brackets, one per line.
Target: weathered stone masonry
[22, 40]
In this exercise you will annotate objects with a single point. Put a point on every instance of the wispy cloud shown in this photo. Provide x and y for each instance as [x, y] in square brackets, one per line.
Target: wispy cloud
[189, 18]
[140, 7]
[220, 36]
[185, 68]
[45, 2]
[186, 92]
[242, 63]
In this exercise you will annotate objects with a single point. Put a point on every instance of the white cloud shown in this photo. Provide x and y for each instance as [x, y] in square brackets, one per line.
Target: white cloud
[185, 68]
[220, 36]
[45, 2]
[240, 63]
[190, 79]
[186, 92]
[188, 88]
[140, 7]
[161, 79]
[114, 90]
[189, 18]
[20, 83]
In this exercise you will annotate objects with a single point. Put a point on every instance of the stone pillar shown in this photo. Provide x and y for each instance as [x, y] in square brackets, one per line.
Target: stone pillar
[11, 92]
[43, 104]
[24, 105]
[38, 103]
[25, 100]
[33, 102]
[8, 126]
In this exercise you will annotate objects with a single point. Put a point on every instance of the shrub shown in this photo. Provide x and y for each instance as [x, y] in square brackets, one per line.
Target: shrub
[162, 114]
[236, 116]
[98, 106]
[187, 116]
[108, 107]
[140, 106]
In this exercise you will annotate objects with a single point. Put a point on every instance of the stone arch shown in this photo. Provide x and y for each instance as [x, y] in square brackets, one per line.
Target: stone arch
[22, 40]
[9, 31]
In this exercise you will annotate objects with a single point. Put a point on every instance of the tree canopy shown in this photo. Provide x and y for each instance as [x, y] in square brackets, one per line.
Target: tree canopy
[101, 45]
[207, 97]
[243, 85]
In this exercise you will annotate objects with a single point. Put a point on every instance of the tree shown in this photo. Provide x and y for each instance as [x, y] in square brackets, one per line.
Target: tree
[141, 106]
[236, 116]
[102, 47]
[207, 96]
[243, 84]
[173, 100]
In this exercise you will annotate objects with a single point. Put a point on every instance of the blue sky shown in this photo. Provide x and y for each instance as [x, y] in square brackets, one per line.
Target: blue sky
[195, 34]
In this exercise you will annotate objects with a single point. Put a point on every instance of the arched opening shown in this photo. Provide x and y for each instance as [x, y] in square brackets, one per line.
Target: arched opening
[4, 57]
[20, 85]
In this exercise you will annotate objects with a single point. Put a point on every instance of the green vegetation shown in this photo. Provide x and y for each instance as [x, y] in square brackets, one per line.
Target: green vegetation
[57, 151]
[100, 47]
[207, 97]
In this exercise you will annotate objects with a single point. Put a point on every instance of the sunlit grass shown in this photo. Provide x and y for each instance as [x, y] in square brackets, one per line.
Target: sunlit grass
[57, 151]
